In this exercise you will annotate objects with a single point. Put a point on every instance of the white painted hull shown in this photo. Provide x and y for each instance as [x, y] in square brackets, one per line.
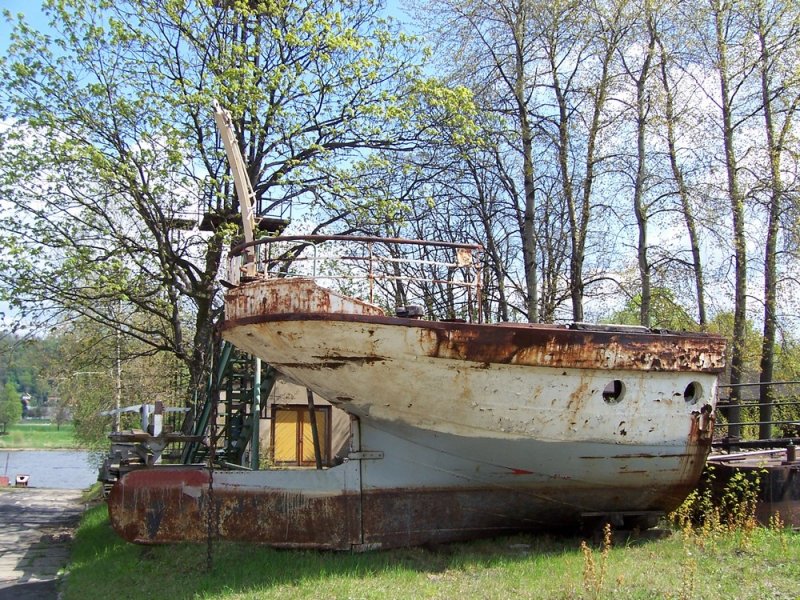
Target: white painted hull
[382, 371]
[462, 430]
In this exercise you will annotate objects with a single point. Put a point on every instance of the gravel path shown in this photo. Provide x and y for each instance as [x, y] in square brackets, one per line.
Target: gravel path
[36, 527]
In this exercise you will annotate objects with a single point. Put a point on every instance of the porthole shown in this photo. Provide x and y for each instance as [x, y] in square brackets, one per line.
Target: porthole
[614, 391]
[693, 393]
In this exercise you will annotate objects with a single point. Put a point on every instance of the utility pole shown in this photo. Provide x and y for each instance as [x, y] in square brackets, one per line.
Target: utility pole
[118, 398]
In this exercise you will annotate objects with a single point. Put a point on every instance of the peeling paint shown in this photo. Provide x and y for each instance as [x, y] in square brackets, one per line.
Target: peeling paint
[480, 429]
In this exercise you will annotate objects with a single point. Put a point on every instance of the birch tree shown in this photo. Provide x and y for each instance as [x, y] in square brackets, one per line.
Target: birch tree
[490, 42]
[777, 28]
[671, 83]
[640, 78]
[580, 53]
[727, 50]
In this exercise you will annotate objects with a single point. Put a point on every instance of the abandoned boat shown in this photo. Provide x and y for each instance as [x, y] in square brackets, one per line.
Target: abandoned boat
[459, 429]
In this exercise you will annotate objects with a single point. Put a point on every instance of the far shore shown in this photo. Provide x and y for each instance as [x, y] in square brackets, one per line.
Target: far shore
[39, 435]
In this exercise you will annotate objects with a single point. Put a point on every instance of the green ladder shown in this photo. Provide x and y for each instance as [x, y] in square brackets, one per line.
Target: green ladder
[236, 376]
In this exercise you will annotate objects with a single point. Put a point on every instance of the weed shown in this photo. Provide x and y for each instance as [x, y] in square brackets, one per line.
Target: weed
[778, 527]
[594, 574]
[705, 514]
[692, 540]
[739, 500]
[688, 570]
[776, 523]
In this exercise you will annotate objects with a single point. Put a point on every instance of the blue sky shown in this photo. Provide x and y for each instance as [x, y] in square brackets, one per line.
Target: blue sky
[34, 16]
[32, 12]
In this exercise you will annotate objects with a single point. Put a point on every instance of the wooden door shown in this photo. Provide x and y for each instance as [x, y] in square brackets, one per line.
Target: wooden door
[292, 439]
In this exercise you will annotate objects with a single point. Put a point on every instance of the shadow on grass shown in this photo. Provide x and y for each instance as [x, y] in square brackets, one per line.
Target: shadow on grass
[105, 564]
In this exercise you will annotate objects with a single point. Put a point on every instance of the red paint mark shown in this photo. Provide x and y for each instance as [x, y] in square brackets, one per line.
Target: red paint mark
[521, 472]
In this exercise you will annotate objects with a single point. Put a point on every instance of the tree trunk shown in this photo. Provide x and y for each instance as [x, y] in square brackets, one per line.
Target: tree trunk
[775, 142]
[529, 184]
[639, 207]
[577, 231]
[579, 214]
[683, 192]
[737, 211]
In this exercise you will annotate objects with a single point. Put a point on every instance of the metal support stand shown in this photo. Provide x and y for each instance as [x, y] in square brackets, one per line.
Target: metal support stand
[314, 433]
[255, 415]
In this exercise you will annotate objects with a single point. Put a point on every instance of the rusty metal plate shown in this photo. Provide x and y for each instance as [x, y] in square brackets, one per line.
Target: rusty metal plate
[154, 506]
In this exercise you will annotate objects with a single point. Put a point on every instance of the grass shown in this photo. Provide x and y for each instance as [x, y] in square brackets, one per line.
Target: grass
[38, 435]
[722, 563]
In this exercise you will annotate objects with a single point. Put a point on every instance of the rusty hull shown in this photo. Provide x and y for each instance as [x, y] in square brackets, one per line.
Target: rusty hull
[554, 346]
[512, 380]
[392, 518]
[157, 506]
[458, 430]
[388, 378]
[433, 488]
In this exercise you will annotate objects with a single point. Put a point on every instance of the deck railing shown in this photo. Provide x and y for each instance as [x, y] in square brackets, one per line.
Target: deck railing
[744, 420]
[444, 278]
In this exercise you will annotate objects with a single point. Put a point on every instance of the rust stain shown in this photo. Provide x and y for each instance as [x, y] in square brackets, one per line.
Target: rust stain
[698, 445]
[523, 344]
[332, 362]
[353, 359]
[152, 508]
[576, 401]
[291, 295]
[518, 343]
[633, 455]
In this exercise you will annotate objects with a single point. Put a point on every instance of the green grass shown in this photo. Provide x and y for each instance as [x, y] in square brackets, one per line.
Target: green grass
[760, 563]
[38, 435]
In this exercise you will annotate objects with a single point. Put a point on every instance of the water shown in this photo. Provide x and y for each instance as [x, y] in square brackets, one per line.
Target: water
[64, 469]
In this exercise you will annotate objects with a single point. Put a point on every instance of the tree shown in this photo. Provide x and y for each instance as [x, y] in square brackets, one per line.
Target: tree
[113, 146]
[27, 361]
[640, 78]
[777, 27]
[726, 47]
[10, 405]
[548, 71]
[672, 121]
[665, 312]
[494, 59]
[580, 51]
[88, 374]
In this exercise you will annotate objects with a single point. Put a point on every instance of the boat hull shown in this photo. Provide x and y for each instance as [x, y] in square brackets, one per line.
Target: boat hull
[433, 488]
[395, 378]
[458, 430]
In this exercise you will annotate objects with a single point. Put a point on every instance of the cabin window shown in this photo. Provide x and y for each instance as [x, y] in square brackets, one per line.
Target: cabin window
[614, 391]
[693, 393]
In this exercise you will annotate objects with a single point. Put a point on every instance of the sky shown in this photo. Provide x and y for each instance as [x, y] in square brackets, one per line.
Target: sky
[32, 12]
[35, 17]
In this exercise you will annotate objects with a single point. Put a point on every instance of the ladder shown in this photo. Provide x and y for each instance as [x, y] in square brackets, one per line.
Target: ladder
[237, 392]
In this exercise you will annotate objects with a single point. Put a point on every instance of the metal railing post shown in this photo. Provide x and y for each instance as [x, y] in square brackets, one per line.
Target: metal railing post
[370, 275]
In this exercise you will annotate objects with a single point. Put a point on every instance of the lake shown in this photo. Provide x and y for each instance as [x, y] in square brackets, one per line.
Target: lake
[64, 469]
